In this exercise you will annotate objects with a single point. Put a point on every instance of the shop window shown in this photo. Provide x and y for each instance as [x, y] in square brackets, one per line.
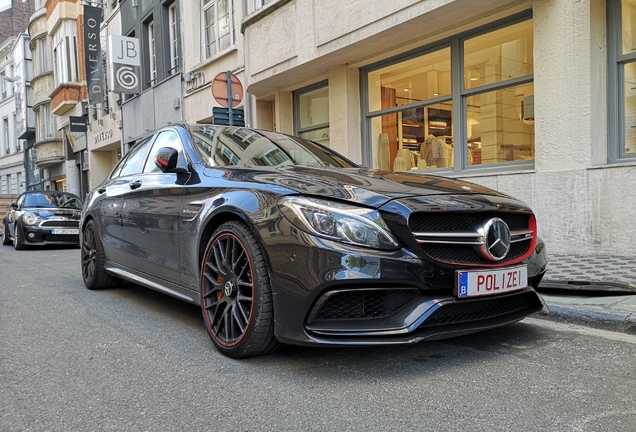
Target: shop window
[621, 80]
[218, 26]
[419, 118]
[311, 113]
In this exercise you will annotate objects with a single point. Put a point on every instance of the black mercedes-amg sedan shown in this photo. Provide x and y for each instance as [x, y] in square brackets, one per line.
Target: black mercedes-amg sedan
[281, 240]
[38, 218]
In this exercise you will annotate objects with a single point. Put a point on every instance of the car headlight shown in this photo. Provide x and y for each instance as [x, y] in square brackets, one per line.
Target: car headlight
[30, 218]
[338, 221]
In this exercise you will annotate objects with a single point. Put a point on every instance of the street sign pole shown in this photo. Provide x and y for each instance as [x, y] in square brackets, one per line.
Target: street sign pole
[230, 101]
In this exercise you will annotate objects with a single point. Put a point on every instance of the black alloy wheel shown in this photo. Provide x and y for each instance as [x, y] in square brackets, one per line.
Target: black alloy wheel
[5, 236]
[236, 298]
[18, 243]
[93, 260]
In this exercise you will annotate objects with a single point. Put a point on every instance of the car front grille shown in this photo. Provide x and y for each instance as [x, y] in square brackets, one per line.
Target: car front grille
[446, 221]
[467, 311]
[364, 304]
[453, 237]
[60, 223]
[466, 254]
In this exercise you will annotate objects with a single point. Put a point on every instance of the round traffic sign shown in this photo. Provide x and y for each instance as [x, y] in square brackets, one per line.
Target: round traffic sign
[220, 90]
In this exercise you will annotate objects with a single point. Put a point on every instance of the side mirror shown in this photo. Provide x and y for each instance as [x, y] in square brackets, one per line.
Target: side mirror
[166, 160]
[14, 205]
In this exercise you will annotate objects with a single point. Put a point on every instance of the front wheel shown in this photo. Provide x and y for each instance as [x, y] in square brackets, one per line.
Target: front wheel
[5, 236]
[236, 297]
[18, 243]
[93, 260]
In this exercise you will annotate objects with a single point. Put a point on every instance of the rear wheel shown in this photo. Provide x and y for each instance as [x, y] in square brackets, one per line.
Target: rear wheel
[5, 236]
[236, 297]
[93, 260]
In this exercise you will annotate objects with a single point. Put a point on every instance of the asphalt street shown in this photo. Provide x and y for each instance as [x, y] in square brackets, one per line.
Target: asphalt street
[130, 359]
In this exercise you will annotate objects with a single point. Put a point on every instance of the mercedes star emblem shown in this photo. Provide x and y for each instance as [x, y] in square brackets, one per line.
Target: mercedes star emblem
[496, 240]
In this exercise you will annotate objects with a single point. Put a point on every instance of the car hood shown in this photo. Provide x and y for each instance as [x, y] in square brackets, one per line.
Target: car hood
[362, 186]
[45, 213]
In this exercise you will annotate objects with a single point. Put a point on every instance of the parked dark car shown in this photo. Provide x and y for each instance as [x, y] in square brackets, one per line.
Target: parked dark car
[281, 240]
[42, 217]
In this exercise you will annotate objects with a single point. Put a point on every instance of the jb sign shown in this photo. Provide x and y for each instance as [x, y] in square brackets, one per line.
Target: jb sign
[124, 57]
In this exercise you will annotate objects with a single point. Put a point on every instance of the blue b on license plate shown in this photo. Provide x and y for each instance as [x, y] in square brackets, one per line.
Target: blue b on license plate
[475, 283]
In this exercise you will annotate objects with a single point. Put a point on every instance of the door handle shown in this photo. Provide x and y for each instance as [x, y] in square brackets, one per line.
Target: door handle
[101, 190]
[135, 184]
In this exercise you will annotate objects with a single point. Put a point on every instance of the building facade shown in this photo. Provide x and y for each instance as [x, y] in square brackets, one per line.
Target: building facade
[16, 115]
[533, 98]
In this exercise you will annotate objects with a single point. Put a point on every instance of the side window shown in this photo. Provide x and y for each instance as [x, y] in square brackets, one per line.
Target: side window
[135, 160]
[165, 139]
[20, 201]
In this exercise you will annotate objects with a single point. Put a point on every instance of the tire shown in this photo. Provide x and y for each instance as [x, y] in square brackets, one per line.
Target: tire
[236, 297]
[93, 260]
[5, 236]
[18, 243]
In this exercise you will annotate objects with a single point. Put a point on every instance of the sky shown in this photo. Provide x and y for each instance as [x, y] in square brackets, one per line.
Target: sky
[5, 4]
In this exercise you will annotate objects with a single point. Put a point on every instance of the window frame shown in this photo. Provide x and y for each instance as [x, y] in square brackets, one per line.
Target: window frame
[458, 98]
[617, 61]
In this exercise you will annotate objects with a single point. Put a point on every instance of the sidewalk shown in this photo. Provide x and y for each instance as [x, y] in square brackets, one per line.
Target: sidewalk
[592, 290]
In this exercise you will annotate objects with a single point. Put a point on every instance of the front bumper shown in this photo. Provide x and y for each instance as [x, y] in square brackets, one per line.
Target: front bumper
[328, 293]
[37, 235]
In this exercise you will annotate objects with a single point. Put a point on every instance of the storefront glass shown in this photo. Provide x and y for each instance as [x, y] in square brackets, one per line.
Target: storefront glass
[417, 138]
[417, 117]
[411, 81]
[498, 56]
[500, 125]
[630, 108]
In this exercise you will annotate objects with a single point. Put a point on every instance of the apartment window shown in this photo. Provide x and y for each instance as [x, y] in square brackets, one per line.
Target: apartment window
[311, 113]
[250, 6]
[621, 80]
[218, 26]
[152, 53]
[41, 56]
[5, 135]
[173, 39]
[65, 53]
[4, 83]
[465, 104]
[43, 122]
[15, 124]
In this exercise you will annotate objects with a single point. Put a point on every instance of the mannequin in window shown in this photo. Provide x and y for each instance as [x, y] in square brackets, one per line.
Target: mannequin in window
[433, 150]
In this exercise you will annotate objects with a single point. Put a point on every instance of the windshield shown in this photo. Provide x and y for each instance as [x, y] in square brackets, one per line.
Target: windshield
[222, 146]
[52, 200]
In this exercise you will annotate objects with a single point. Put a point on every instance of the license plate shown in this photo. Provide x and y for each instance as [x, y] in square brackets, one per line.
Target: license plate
[475, 283]
[65, 231]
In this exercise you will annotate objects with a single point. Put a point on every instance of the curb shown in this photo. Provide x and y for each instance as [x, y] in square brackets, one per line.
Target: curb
[623, 322]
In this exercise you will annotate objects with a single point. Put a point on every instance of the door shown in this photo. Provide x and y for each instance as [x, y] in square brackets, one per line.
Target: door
[151, 215]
